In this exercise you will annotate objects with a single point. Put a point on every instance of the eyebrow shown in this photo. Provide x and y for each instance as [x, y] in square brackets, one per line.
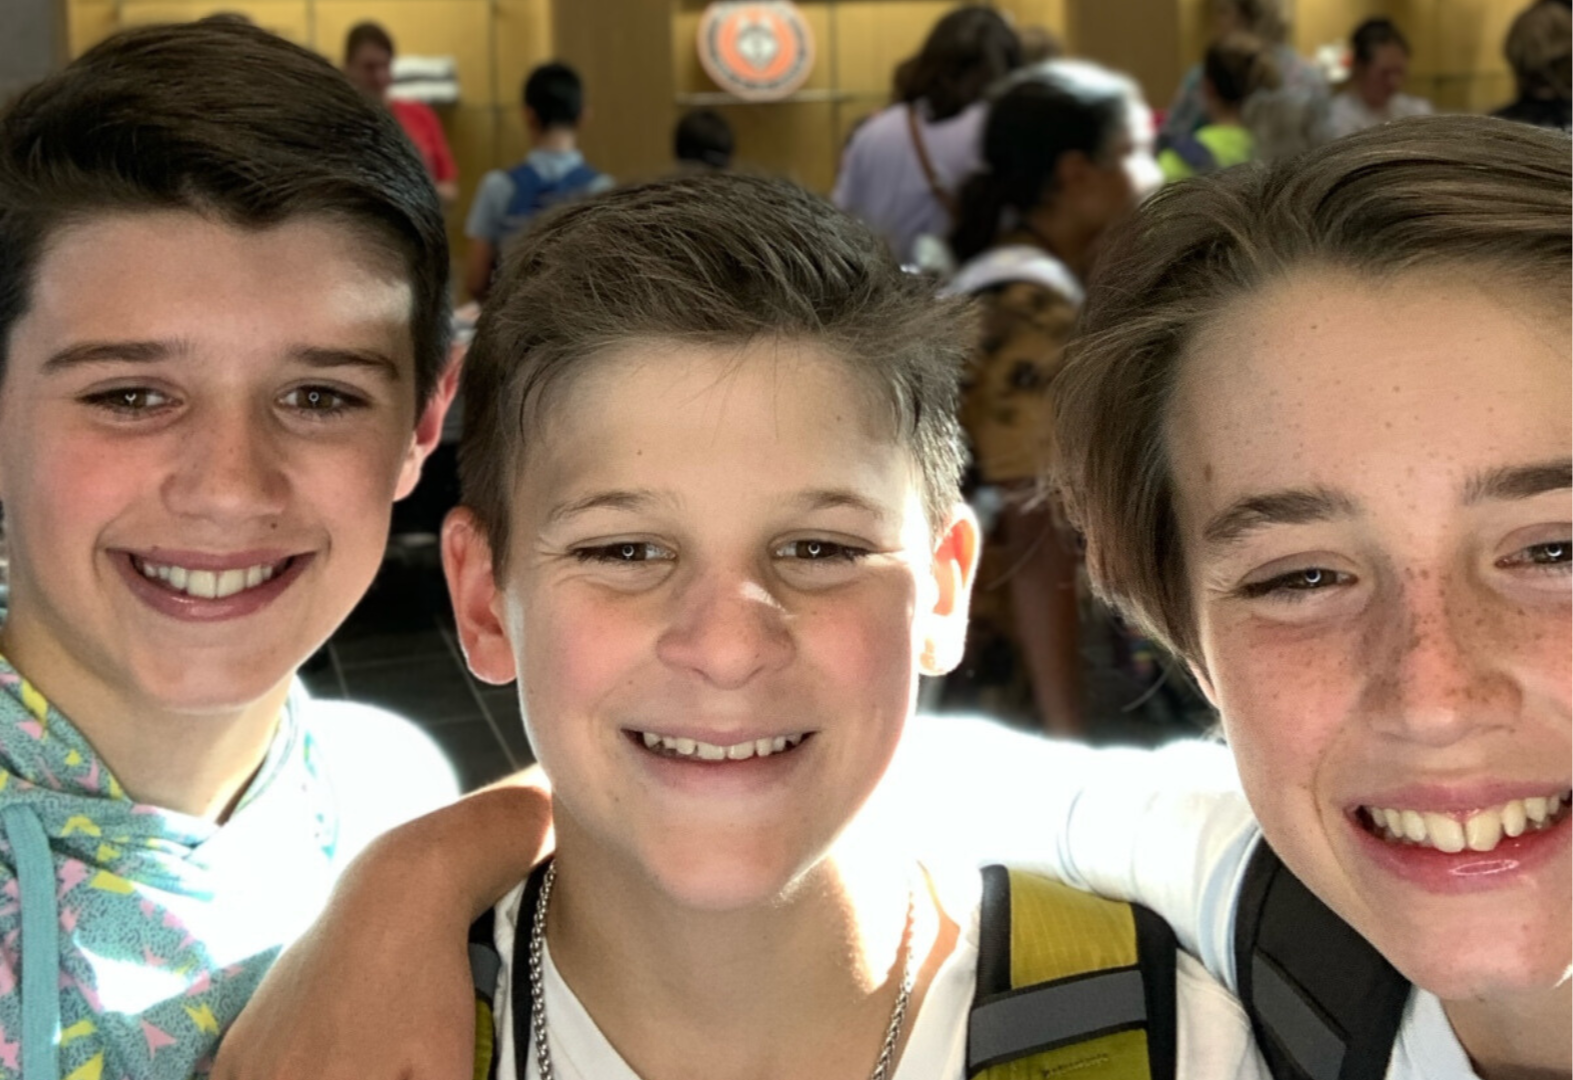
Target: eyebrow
[838, 499]
[633, 500]
[1297, 507]
[628, 500]
[318, 357]
[110, 352]
[1519, 482]
[147, 352]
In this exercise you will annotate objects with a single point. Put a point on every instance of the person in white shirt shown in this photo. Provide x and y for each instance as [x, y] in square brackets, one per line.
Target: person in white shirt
[1379, 64]
[717, 587]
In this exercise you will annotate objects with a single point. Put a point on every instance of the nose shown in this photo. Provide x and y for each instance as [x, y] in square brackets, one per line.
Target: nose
[229, 468]
[727, 629]
[1436, 650]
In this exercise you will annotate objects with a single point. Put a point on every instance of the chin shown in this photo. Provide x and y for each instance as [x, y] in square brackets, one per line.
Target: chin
[722, 877]
[214, 690]
[1485, 964]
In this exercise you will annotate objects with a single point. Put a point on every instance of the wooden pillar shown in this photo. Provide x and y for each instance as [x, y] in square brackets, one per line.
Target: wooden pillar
[623, 51]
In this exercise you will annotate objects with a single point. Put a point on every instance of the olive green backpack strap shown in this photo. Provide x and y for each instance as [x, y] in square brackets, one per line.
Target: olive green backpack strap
[1069, 984]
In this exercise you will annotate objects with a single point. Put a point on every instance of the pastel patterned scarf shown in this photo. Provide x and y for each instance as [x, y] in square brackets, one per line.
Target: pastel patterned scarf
[130, 936]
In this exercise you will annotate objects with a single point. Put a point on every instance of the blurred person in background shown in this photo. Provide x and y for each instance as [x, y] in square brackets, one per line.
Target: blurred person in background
[1539, 49]
[902, 168]
[1067, 152]
[1379, 64]
[703, 140]
[1237, 68]
[553, 172]
[368, 61]
[1039, 43]
[1302, 92]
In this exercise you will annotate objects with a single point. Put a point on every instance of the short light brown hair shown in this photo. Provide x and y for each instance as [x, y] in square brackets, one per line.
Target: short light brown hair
[707, 259]
[1485, 195]
[1539, 49]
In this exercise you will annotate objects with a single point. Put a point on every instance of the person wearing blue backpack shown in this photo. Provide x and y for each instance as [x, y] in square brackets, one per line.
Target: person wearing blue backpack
[553, 172]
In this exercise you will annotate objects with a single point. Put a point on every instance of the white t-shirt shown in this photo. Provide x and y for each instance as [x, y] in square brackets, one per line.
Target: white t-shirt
[1348, 114]
[1214, 1039]
[1169, 829]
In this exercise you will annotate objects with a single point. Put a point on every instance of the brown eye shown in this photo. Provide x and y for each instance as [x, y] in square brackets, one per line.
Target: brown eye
[129, 399]
[820, 551]
[1549, 554]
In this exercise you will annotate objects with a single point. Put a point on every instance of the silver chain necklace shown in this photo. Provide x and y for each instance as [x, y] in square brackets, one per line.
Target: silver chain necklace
[543, 1053]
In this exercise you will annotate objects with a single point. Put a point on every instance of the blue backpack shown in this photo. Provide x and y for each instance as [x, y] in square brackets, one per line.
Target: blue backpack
[533, 193]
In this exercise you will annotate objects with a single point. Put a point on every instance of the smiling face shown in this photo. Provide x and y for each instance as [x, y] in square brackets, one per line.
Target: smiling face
[1373, 494]
[202, 429]
[723, 554]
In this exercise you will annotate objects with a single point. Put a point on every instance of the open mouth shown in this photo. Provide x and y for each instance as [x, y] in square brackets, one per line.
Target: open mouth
[1480, 830]
[680, 748]
[210, 584]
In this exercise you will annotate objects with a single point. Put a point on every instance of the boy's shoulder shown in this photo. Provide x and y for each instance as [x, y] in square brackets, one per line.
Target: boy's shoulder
[383, 769]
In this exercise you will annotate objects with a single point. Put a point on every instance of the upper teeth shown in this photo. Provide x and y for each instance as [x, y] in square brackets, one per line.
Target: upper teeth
[697, 748]
[1481, 830]
[207, 584]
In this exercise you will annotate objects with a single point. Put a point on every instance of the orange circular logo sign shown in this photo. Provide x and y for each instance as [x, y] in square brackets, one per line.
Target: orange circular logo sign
[757, 49]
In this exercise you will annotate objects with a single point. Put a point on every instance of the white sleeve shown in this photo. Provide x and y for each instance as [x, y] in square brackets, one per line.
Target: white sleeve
[1166, 828]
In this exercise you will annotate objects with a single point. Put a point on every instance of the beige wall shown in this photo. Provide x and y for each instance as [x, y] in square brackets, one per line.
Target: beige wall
[641, 68]
[495, 43]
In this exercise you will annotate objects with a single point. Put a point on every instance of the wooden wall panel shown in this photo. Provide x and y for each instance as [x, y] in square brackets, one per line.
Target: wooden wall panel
[522, 39]
[624, 52]
[1105, 31]
[290, 19]
[88, 22]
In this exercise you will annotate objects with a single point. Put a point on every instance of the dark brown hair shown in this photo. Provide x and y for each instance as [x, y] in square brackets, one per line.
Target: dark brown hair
[1263, 18]
[705, 259]
[363, 34]
[1371, 35]
[224, 119]
[966, 51]
[1238, 65]
[1454, 191]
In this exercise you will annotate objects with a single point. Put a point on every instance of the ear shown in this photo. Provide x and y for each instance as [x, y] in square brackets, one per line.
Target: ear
[477, 600]
[955, 567]
[428, 427]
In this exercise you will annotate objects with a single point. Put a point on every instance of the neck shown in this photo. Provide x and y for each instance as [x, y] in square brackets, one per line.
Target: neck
[1226, 115]
[195, 763]
[1057, 234]
[803, 985]
[1520, 1038]
[557, 139]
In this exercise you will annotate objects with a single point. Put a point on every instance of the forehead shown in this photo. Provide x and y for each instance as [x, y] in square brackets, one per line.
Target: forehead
[1325, 378]
[179, 275]
[773, 413]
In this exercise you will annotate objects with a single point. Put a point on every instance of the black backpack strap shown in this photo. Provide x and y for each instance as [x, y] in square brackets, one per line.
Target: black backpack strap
[485, 966]
[519, 986]
[1070, 983]
[1323, 1003]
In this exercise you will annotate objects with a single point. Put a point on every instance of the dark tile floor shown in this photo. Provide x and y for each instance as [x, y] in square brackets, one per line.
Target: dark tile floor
[398, 649]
